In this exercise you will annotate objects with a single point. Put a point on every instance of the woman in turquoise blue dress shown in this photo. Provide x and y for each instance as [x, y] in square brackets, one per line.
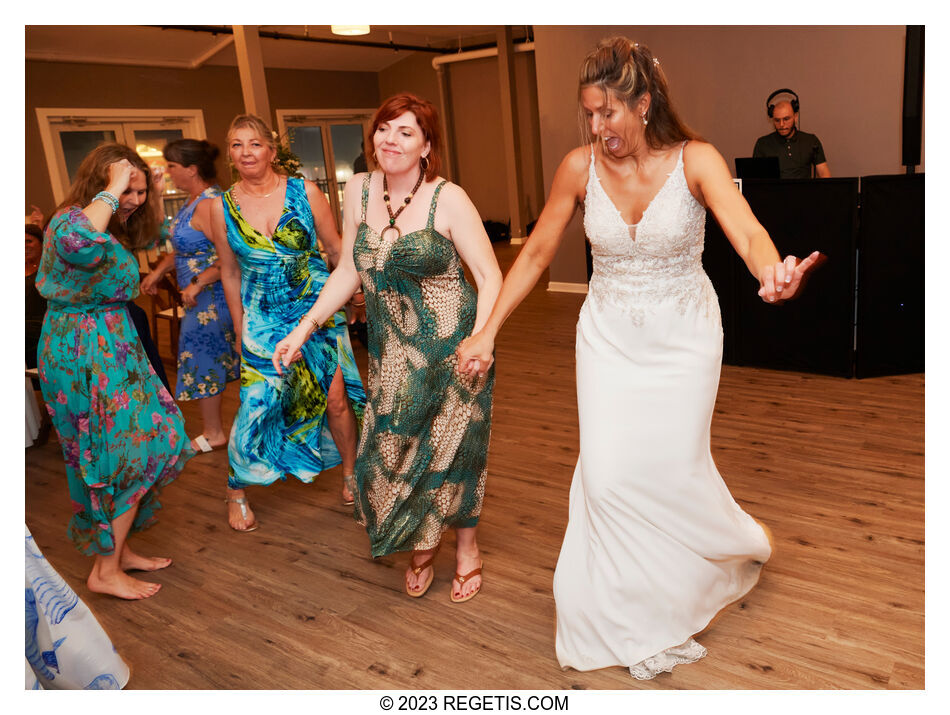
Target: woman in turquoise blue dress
[122, 435]
[207, 360]
[265, 229]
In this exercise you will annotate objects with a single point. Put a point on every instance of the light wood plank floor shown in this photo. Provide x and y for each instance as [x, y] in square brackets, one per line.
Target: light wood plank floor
[835, 467]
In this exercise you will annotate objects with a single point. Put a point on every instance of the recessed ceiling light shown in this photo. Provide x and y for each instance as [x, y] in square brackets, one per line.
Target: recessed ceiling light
[349, 29]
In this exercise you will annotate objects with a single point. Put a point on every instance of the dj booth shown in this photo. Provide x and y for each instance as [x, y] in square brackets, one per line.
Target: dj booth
[862, 311]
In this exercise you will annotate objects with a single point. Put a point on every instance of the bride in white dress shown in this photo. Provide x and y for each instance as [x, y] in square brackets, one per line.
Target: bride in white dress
[655, 545]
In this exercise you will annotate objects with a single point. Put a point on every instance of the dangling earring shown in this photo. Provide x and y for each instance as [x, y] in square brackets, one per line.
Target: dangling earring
[643, 117]
[424, 163]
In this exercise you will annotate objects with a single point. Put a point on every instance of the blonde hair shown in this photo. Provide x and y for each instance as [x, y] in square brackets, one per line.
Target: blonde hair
[255, 123]
[629, 70]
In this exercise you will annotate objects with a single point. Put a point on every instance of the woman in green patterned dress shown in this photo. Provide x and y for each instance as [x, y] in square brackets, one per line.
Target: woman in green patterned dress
[265, 230]
[421, 463]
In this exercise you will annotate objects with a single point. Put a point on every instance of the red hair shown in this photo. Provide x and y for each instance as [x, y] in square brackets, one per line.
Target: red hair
[426, 117]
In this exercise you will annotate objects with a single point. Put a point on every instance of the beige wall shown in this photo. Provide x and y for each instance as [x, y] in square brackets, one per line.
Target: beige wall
[849, 80]
[476, 126]
[413, 74]
[214, 90]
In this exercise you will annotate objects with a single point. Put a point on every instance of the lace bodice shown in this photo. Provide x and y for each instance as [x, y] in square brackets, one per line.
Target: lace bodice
[654, 261]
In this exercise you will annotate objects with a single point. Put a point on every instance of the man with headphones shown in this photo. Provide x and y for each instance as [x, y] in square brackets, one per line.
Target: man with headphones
[797, 151]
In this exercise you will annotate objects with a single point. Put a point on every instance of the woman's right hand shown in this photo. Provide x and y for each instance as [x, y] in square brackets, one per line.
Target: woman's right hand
[120, 173]
[288, 349]
[238, 343]
[475, 354]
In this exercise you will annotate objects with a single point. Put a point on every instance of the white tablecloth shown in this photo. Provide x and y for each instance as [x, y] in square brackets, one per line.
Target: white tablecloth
[33, 418]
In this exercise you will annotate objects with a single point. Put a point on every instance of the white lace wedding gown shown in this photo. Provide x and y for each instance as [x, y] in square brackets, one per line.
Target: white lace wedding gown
[655, 544]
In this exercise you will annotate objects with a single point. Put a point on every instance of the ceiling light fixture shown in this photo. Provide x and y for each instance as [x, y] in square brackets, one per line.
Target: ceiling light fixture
[349, 29]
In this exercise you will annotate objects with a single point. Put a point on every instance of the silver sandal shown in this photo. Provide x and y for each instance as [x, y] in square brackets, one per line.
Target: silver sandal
[242, 502]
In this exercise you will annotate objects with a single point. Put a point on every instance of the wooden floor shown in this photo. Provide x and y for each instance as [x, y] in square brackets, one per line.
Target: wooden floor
[835, 467]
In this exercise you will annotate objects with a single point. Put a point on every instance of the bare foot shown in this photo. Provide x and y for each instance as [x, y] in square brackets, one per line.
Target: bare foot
[131, 561]
[349, 486]
[465, 563]
[240, 516]
[121, 585]
[415, 582]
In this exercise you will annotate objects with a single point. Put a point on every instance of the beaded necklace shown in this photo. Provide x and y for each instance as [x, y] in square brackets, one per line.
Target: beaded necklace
[393, 216]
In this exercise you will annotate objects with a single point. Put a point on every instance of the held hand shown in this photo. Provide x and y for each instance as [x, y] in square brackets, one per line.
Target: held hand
[150, 283]
[786, 280]
[287, 350]
[189, 296]
[475, 354]
[120, 173]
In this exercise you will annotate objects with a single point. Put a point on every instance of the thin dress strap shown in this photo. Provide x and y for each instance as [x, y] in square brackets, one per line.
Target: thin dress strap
[365, 195]
[435, 198]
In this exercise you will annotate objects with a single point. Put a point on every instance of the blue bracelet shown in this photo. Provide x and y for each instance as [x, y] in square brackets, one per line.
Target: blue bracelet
[109, 199]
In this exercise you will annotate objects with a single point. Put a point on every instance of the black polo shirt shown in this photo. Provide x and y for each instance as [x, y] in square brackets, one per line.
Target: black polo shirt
[796, 154]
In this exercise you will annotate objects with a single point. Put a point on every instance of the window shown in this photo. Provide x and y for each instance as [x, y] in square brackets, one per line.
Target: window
[68, 135]
[329, 144]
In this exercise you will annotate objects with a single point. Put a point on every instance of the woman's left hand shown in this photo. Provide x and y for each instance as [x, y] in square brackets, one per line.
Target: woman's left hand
[189, 296]
[786, 279]
[158, 178]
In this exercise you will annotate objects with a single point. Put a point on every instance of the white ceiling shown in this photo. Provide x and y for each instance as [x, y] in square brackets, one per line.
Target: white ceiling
[153, 46]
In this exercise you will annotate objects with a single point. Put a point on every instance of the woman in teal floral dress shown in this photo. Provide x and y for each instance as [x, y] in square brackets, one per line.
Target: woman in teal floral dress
[421, 467]
[206, 357]
[122, 435]
[265, 229]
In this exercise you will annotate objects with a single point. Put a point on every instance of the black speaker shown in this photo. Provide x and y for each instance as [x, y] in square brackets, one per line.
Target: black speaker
[890, 290]
[912, 115]
[721, 265]
[815, 332]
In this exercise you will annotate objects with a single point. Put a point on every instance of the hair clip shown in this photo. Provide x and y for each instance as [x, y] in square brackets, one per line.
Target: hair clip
[656, 62]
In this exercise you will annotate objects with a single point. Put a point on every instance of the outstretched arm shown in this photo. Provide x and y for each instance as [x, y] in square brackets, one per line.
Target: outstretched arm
[708, 175]
[536, 255]
[340, 286]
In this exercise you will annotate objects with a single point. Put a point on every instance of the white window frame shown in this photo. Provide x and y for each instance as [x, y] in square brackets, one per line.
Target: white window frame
[53, 119]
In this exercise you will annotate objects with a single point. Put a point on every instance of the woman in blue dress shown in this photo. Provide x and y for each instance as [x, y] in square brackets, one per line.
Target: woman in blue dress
[122, 435]
[265, 229]
[207, 360]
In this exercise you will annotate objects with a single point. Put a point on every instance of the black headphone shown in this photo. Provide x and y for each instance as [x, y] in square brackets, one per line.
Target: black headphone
[784, 90]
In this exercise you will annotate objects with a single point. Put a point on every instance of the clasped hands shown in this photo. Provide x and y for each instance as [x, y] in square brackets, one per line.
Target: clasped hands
[475, 355]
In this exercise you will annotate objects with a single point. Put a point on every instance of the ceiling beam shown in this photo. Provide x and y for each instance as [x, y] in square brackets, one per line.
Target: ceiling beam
[272, 35]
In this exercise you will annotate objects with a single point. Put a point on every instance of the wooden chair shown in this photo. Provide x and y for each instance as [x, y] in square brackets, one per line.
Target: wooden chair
[166, 305]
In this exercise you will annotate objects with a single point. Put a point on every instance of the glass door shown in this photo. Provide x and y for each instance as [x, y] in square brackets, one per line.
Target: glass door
[329, 145]
[149, 142]
[73, 142]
